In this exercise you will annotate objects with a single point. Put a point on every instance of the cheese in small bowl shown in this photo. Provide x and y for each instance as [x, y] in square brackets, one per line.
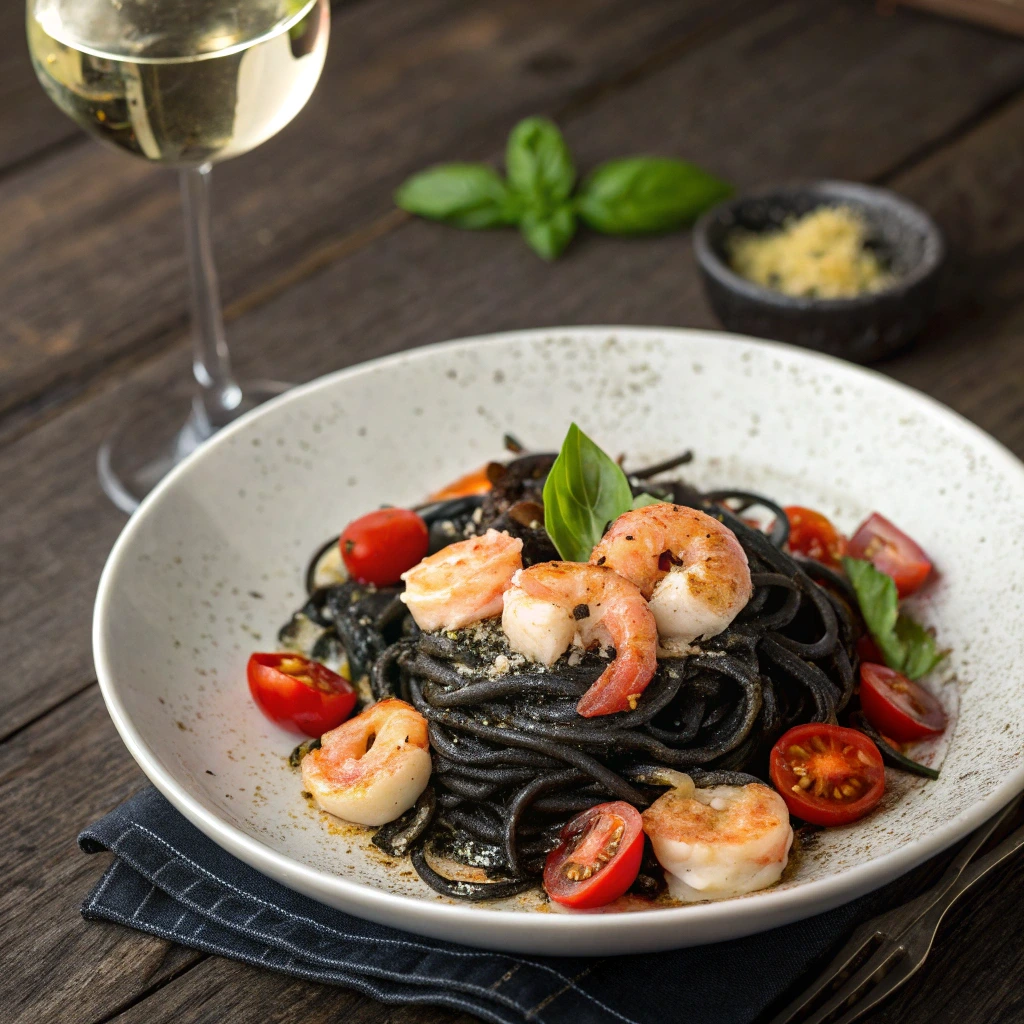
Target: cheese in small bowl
[824, 254]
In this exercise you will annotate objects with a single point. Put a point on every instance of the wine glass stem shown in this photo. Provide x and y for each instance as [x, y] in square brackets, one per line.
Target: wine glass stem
[218, 395]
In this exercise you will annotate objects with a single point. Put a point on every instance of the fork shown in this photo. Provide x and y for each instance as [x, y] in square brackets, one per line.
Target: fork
[899, 940]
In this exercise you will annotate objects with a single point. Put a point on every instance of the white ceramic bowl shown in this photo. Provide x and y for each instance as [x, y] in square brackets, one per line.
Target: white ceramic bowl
[212, 564]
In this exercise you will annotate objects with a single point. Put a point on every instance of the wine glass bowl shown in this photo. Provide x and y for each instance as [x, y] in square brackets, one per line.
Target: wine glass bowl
[175, 83]
[182, 84]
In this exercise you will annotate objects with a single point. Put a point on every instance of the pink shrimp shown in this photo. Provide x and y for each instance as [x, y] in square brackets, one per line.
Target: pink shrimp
[718, 842]
[689, 566]
[462, 583]
[373, 767]
[552, 604]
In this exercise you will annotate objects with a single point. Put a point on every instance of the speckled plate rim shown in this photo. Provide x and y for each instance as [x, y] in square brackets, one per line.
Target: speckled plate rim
[532, 933]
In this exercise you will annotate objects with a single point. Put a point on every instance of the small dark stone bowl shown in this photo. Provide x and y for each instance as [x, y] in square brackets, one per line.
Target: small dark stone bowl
[863, 328]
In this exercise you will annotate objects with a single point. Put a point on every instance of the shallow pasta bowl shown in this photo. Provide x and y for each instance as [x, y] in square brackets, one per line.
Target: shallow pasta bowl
[213, 562]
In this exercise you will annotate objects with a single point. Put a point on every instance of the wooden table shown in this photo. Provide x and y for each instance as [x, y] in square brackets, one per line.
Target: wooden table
[319, 271]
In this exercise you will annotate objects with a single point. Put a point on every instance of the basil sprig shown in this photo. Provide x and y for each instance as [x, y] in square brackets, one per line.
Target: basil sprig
[634, 196]
[905, 644]
[585, 490]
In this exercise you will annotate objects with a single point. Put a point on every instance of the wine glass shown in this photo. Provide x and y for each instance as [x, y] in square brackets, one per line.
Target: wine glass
[183, 84]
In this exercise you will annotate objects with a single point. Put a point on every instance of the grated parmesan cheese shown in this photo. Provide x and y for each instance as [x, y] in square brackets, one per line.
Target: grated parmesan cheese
[820, 255]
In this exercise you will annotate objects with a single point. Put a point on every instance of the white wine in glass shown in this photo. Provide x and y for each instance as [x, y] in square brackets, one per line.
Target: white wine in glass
[184, 84]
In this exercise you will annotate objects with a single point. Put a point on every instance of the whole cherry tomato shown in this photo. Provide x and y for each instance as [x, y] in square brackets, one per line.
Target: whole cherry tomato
[378, 547]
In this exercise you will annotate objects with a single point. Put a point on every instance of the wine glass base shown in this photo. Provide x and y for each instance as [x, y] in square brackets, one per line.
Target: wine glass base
[145, 446]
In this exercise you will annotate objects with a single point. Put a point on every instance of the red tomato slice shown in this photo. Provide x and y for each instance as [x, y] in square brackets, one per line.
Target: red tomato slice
[597, 858]
[477, 482]
[378, 547]
[827, 775]
[301, 695]
[811, 534]
[898, 707]
[891, 551]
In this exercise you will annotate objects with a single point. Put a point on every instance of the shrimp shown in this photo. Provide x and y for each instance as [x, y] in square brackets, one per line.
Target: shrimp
[721, 841]
[689, 566]
[372, 768]
[462, 583]
[553, 604]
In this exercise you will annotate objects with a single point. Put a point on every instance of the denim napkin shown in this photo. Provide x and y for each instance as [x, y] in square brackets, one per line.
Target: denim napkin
[168, 879]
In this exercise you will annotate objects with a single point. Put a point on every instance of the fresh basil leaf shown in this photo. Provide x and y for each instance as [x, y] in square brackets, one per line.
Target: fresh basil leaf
[876, 595]
[905, 644]
[539, 164]
[548, 234]
[466, 195]
[645, 499]
[643, 195]
[585, 490]
[921, 652]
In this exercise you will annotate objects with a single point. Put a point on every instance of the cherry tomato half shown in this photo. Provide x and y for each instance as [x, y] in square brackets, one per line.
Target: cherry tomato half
[301, 695]
[898, 707]
[811, 534]
[827, 775]
[378, 547]
[477, 482]
[597, 857]
[891, 551]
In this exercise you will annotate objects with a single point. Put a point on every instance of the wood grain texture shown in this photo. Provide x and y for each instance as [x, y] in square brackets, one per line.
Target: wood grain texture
[92, 254]
[973, 975]
[971, 356]
[1005, 15]
[218, 991]
[459, 283]
[55, 778]
[29, 123]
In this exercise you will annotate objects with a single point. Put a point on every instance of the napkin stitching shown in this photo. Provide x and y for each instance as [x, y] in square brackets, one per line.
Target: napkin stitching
[449, 995]
[343, 935]
[145, 900]
[549, 999]
[506, 976]
[94, 899]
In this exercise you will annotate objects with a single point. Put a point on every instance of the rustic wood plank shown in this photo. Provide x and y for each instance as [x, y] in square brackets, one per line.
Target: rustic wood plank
[821, 60]
[974, 972]
[92, 256]
[971, 358]
[1005, 15]
[220, 990]
[29, 122]
[57, 966]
